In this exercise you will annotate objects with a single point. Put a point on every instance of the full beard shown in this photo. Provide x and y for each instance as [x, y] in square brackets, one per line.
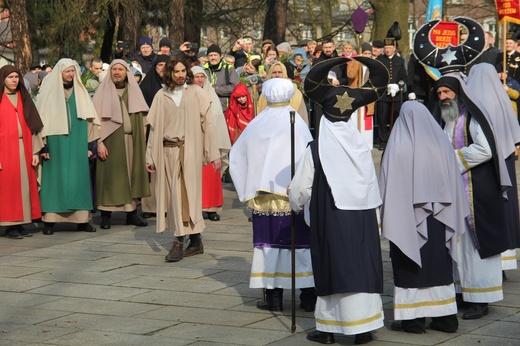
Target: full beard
[450, 111]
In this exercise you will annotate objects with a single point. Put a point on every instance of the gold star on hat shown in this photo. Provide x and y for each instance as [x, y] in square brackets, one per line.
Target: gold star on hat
[344, 102]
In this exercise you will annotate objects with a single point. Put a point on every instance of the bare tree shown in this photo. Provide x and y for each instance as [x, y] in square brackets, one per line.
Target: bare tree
[20, 31]
[176, 11]
[193, 20]
[276, 20]
[388, 12]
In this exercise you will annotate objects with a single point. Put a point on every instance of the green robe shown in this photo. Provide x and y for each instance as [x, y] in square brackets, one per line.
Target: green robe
[113, 186]
[65, 183]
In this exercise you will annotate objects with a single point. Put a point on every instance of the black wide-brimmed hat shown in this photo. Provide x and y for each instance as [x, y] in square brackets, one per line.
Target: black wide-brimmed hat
[450, 58]
[339, 102]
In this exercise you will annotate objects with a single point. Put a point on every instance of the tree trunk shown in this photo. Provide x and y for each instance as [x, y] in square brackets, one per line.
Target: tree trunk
[193, 23]
[176, 22]
[276, 20]
[326, 17]
[108, 36]
[386, 13]
[21, 40]
[130, 24]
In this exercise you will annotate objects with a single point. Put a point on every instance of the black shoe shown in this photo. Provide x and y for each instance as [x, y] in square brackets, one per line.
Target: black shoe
[105, 220]
[440, 328]
[461, 304]
[176, 253]
[133, 219]
[363, 338]
[149, 215]
[25, 233]
[250, 219]
[212, 216]
[195, 248]
[85, 227]
[308, 307]
[476, 311]
[47, 228]
[105, 224]
[273, 300]
[204, 215]
[408, 326]
[13, 233]
[321, 337]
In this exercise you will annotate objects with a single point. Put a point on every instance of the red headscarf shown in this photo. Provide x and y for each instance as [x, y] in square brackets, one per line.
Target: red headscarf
[237, 115]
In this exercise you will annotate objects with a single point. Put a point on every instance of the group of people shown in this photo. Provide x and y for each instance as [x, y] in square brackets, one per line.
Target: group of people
[446, 190]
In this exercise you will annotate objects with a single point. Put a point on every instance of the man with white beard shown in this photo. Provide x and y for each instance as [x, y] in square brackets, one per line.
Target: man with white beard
[485, 178]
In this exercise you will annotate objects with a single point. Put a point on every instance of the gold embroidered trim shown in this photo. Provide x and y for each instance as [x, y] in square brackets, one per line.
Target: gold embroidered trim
[282, 104]
[425, 303]
[278, 274]
[482, 290]
[350, 324]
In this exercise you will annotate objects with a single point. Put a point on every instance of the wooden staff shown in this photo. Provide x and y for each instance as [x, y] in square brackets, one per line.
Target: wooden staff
[293, 234]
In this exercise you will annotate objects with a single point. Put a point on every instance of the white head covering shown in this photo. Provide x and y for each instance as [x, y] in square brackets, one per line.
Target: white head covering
[51, 100]
[419, 177]
[108, 106]
[220, 132]
[260, 160]
[496, 104]
[348, 165]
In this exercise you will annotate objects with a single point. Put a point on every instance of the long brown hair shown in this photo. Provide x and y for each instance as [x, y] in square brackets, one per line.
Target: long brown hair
[170, 65]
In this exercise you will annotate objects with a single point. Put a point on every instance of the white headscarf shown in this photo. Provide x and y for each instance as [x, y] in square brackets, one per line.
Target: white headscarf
[220, 132]
[51, 101]
[260, 160]
[347, 163]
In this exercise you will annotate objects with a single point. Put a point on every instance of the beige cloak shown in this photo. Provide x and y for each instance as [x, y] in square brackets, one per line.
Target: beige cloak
[173, 127]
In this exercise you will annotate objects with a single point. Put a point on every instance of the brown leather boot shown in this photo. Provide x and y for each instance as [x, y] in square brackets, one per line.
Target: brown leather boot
[196, 247]
[175, 253]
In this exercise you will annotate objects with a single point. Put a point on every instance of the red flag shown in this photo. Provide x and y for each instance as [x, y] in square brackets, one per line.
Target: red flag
[508, 11]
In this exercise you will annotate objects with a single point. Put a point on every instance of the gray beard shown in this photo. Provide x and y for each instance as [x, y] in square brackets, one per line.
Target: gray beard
[450, 113]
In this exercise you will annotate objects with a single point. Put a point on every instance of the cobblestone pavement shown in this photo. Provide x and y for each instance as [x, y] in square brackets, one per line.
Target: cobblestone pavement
[113, 287]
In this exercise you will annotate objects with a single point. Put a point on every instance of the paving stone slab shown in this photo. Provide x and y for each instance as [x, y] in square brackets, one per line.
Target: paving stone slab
[94, 322]
[78, 290]
[21, 284]
[23, 299]
[29, 333]
[12, 316]
[223, 335]
[197, 300]
[97, 306]
[76, 265]
[501, 329]
[18, 271]
[480, 340]
[62, 253]
[86, 277]
[93, 337]
[206, 316]
[228, 276]
[163, 269]
[173, 284]
[283, 322]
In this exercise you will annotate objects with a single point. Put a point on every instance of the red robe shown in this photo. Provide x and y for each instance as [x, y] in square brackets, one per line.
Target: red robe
[10, 175]
[212, 195]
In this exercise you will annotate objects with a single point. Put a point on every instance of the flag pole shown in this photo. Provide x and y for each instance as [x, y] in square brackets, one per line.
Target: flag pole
[293, 234]
[504, 39]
